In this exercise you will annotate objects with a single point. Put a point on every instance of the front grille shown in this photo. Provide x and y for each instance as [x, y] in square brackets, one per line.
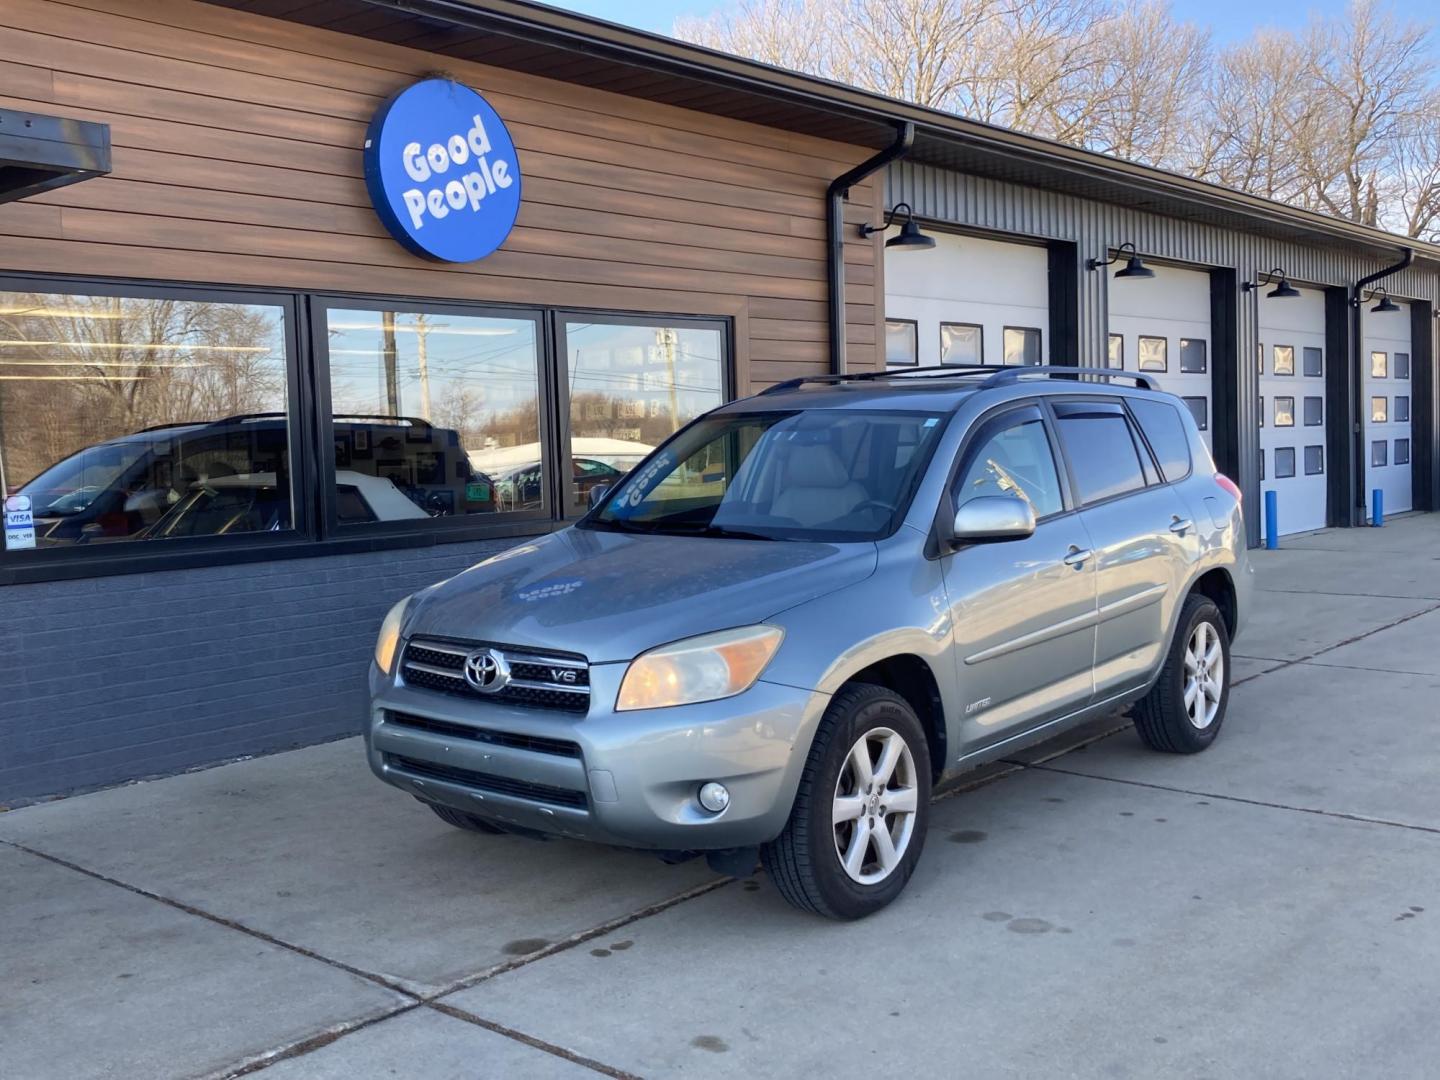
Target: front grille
[539, 744]
[498, 785]
[544, 681]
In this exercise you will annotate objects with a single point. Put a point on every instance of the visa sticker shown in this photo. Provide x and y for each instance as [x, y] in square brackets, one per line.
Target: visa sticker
[19, 523]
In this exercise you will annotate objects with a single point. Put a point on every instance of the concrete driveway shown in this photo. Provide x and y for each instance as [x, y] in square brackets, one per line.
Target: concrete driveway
[1268, 909]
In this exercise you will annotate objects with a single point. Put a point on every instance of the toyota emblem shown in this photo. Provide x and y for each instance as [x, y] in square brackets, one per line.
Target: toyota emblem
[487, 671]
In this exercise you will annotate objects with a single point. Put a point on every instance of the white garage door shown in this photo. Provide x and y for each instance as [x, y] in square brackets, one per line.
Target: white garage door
[1161, 326]
[1293, 408]
[967, 301]
[1386, 406]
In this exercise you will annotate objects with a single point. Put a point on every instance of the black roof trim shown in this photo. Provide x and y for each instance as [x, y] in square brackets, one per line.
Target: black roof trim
[39, 153]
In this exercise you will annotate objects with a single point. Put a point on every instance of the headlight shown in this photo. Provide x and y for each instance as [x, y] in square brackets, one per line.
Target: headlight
[389, 639]
[702, 668]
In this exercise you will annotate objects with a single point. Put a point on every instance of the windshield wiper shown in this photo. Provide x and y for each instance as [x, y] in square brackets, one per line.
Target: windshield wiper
[719, 531]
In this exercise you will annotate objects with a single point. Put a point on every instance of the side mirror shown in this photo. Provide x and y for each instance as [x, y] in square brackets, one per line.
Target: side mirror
[597, 493]
[991, 518]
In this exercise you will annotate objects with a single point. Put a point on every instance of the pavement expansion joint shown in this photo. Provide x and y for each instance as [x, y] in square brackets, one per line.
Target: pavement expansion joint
[413, 1000]
[1339, 814]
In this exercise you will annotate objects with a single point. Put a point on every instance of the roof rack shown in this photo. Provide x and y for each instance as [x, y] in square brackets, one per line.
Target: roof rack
[996, 375]
[1008, 375]
[944, 371]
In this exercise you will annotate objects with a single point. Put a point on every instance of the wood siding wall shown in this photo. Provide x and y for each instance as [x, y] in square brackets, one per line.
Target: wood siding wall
[237, 161]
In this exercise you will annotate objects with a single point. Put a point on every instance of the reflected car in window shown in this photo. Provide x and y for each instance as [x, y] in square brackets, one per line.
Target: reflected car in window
[256, 502]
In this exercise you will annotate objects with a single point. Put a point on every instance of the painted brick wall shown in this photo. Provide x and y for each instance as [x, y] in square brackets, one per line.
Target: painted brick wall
[110, 679]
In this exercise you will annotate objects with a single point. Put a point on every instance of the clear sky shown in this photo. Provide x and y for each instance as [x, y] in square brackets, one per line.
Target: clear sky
[1229, 19]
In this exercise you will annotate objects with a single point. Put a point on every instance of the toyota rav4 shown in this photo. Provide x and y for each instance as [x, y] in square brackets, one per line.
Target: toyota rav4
[777, 634]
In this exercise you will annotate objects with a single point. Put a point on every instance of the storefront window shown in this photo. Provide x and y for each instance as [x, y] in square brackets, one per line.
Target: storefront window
[631, 386]
[130, 418]
[434, 415]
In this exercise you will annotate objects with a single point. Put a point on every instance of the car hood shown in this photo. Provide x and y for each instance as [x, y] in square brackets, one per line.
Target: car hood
[610, 596]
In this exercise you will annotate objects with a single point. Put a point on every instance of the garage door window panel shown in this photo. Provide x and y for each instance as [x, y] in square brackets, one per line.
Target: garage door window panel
[1115, 356]
[1314, 412]
[1402, 451]
[1314, 460]
[1284, 412]
[1379, 411]
[1314, 361]
[1023, 346]
[1284, 462]
[1402, 410]
[902, 342]
[962, 343]
[1284, 360]
[1193, 356]
[136, 416]
[1153, 353]
[1379, 453]
[1379, 364]
[1402, 365]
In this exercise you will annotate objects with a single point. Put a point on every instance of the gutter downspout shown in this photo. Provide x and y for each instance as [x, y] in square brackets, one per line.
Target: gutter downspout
[835, 196]
[1357, 376]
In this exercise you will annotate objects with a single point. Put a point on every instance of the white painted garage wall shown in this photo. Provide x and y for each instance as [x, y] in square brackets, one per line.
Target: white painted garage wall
[1173, 306]
[1387, 335]
[965, 279]
[1288, 328]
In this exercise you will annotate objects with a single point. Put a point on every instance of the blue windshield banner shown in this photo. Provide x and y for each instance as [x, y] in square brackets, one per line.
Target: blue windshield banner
[442, 171]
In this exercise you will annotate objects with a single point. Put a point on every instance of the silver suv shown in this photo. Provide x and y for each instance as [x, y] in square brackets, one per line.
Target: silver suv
[781, 630]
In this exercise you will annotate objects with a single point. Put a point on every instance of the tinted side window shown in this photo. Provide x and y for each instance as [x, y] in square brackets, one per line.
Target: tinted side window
[1103, 456]
[1012, 457]
[1165, 430]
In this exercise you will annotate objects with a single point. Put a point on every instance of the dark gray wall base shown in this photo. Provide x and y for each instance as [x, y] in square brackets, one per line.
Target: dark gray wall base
[104, 680]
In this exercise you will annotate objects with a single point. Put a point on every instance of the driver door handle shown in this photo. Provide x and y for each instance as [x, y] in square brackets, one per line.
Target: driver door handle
[1077, 557]
[1180, 526]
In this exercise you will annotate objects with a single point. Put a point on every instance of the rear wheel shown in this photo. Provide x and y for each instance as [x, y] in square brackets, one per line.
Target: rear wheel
[858, 823]
[1183, 711]
[462, 820]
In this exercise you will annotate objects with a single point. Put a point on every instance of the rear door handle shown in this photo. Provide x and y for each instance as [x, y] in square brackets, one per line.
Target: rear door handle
[1077, 557]
[1180, 526]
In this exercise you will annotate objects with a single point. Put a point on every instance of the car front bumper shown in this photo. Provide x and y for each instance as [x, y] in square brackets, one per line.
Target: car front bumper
[629, 779]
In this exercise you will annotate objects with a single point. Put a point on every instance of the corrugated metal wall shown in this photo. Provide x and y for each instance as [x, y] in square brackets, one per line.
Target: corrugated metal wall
[977, 203]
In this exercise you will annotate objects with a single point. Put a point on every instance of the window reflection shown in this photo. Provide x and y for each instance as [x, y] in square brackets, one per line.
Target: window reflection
[631, 387]
[132, 418]
[435, 415]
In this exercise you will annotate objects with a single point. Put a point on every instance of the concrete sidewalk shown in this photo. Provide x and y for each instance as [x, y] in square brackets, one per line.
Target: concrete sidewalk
[1267, 909]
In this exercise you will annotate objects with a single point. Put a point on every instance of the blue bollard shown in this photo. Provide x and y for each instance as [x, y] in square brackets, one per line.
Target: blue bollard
[1272, 520]
[1377, 509]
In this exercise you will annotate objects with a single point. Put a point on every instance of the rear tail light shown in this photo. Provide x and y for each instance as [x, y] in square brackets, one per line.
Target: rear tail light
[1230, 486]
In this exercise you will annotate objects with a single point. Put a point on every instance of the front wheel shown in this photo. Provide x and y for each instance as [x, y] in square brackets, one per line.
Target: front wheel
[858, 823]
[1183, 711]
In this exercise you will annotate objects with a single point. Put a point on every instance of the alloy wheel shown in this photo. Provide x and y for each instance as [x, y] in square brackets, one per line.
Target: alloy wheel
[875, 805]
[1204, 676]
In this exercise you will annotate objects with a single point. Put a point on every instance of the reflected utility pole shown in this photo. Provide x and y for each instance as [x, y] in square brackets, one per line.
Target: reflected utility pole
[392, 374]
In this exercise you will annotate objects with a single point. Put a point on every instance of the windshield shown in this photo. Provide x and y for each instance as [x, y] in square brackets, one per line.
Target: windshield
[825, 474]
[73, 484]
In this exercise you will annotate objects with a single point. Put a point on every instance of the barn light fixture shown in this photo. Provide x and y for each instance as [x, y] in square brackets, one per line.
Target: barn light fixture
[1385, 304]
[1134, 266]
[1282, 291]
[910, 238]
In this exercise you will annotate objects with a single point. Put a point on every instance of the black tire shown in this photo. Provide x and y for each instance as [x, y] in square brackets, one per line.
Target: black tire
[1160, 716]
[803, 861]
[462, 820]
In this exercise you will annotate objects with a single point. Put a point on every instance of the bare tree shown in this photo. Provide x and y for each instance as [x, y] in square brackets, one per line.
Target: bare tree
[1343, 118]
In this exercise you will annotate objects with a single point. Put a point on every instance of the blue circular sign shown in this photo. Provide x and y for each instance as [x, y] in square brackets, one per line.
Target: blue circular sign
[442, 171]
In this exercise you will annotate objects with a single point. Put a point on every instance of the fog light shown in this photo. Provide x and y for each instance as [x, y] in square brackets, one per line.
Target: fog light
[714, 797]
